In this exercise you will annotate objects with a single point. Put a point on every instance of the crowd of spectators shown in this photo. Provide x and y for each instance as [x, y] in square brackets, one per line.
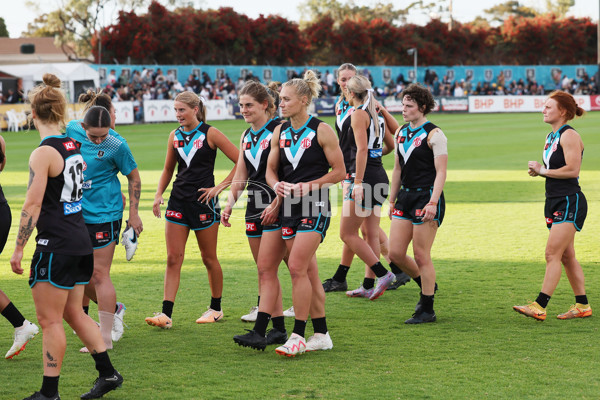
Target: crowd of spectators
[150, 84]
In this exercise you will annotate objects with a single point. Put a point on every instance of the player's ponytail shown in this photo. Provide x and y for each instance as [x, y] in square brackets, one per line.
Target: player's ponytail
[308, 86]
[566, 102]
[92, 98]
[361, 87]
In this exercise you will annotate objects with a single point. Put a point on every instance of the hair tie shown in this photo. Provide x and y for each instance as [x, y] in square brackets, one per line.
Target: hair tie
[369, 91]
[202, 99]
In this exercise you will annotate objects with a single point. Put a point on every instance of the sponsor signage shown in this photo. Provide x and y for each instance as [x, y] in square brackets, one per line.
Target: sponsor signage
[325, 106]
[124, 111]
[493, 104]
[162, 111]
[595, 103]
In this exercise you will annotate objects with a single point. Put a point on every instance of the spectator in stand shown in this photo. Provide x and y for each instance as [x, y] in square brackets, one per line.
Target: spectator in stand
[329, 78]
[458, 89]
[205, 93]
[111, 79]
[138, 108]
[500, 79]
[206, 81]
[171, 76]
[136, 80]
[468, 84]
[160, 79]
[436, 85]
[123, 80]
[565, 83]
[400, 79]
[446, 80]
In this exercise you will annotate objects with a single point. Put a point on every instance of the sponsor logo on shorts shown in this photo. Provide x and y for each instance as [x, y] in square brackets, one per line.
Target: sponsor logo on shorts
[558, 215]
[307, 221]
[102, 235]
[43, 242]
[306, 143]
[72, 208]
[174, 214]
[198, 143]
[43, 272]
[250, 226]
[264, 144]
[549, 220]
[70, 145]
[287, 231]
[419, 213]
[203, 217]
[87, 184]
[398, 213]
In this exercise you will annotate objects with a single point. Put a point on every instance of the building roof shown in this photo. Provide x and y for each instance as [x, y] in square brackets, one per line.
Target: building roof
[45, 51]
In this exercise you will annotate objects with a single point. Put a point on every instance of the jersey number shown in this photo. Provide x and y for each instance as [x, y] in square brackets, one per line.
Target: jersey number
[73, 175]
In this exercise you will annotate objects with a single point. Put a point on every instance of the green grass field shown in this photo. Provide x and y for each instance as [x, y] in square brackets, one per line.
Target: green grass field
[489, 255]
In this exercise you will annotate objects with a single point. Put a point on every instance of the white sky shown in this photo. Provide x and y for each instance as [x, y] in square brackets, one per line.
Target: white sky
[17, 15]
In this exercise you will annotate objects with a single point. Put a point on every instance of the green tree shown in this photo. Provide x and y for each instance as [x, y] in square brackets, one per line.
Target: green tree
[511, 8]
[313, 10]
[560, 8]
[3, 30]
[76, 22]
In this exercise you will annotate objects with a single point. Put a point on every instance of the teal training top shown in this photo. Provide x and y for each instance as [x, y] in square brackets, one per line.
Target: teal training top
[102, 201]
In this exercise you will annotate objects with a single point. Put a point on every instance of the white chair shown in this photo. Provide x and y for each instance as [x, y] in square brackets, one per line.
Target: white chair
[21, 119]
[13, 121]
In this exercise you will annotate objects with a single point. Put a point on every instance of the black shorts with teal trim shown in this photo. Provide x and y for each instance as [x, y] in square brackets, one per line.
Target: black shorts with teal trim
[193, 214]
[571, 208]
[102, 235]
[62, 271]
[254, 227]
[411, 201]
[375, 188]
[290, 226]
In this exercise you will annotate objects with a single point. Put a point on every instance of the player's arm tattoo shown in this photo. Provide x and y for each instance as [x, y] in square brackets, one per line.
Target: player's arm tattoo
[135, 191]
[25, 228]
[31, 175]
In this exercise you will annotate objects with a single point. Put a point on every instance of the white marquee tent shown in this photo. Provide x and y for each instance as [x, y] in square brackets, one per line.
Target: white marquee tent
[75, 76]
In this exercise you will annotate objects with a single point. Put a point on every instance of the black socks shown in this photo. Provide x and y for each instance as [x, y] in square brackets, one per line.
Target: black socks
[320, 325]
[341, 273]
[543, 299]
[167, 308]
[368, 283]
[215, 303]
[581, 299]
[262, 321]
[13, 315]
[395, 269]
[379, 270]
[299, 327]
[279, 323]
[49, 385]
[103, 364]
